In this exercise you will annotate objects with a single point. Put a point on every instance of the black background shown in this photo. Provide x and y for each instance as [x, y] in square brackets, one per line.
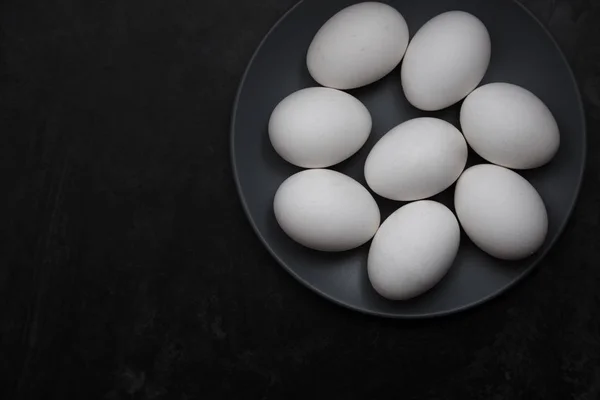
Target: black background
[127, 267]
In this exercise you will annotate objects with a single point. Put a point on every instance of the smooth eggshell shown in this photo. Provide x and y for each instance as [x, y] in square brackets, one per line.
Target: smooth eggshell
[318, 127]
[509, 126]
[445, 61]
[415, 160]
[326, 210]
[500, 211]
[413, 250]
[357, 46]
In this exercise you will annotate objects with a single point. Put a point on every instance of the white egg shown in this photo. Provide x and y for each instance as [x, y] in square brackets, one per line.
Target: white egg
[357, 46]
[413, 250]
[415, 160]
[326, 210]
[446, 59]
[500, 211]
[508, 125]
[318, 127]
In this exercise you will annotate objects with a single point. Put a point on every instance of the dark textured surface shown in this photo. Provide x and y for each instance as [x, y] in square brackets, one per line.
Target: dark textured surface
[128, 270]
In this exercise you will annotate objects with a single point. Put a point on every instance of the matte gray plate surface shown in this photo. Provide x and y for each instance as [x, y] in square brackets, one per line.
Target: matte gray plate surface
[523, 53]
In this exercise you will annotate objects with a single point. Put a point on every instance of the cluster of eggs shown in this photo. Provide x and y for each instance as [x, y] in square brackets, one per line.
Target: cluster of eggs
[318, 127]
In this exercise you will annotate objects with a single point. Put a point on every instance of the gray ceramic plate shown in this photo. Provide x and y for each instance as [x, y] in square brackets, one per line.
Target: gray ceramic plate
[523, 53]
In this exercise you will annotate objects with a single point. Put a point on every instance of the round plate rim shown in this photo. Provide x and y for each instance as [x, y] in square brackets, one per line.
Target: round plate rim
[391, 315]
